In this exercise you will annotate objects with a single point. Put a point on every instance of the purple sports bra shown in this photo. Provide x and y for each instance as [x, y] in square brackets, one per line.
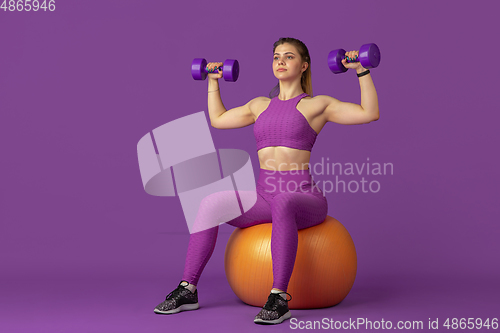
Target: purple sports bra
[281, 124]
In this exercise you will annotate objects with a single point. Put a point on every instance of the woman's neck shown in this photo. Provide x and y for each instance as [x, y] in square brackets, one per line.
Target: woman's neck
[289, 90]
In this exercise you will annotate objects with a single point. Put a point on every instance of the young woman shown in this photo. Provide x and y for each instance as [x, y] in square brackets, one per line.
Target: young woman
[285, 126]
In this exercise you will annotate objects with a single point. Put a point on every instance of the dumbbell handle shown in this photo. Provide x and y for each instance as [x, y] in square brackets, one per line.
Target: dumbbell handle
[215, 70]
[349, 60]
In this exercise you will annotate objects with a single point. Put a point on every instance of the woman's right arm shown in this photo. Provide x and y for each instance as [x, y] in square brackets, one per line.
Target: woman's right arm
[220, 117]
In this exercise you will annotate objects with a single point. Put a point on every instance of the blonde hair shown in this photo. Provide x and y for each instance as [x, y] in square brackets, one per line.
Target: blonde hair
[305, 80]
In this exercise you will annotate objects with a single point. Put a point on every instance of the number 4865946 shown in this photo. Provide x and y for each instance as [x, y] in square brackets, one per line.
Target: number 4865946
[28, 5]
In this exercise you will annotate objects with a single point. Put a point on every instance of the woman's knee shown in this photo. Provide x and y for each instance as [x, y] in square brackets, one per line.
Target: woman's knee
[223, 207]
[216, 208]
[218, 204]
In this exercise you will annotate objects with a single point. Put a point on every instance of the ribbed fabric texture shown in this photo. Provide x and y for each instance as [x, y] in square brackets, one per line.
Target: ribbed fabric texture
[281, 124]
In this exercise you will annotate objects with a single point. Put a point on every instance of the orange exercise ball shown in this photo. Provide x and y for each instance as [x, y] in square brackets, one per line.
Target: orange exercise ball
[324, 271]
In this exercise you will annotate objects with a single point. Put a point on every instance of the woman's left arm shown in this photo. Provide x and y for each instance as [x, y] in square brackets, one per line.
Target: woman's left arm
[349, 113]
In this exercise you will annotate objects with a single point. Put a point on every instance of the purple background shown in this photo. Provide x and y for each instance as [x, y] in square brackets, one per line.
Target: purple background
[83, 248]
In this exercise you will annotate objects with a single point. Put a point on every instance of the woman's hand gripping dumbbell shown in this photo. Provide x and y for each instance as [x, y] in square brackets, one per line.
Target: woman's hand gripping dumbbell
[230, 70]
[368, 55]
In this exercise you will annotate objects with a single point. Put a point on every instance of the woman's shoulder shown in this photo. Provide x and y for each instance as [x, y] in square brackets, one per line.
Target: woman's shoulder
[261, 99]
[322, 99]
[259, 104]
[317, 104]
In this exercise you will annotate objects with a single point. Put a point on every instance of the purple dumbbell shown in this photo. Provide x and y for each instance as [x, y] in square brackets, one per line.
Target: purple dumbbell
[369, 56]
[230, 69]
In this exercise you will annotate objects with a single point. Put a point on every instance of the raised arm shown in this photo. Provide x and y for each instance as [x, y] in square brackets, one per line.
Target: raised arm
[353, 114]
[220, 117]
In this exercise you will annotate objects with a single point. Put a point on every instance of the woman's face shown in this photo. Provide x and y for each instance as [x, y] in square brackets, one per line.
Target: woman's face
[287, 63]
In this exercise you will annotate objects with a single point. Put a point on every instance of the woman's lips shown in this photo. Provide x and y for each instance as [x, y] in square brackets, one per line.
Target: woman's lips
[281, 70]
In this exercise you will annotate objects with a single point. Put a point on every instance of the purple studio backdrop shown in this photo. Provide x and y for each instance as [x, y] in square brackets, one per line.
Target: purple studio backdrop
[83, 248]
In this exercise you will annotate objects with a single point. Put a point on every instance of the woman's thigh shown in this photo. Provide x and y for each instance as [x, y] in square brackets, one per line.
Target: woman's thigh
[259, 213]
[305, 209]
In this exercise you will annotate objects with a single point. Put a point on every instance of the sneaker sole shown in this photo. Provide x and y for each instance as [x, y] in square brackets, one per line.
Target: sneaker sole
[184, 307]
[275, 321]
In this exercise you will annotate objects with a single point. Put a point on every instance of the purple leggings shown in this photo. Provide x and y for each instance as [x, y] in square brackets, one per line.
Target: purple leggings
[290, 200]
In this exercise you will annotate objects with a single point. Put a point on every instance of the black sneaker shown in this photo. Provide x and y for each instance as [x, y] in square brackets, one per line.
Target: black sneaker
[275, 310]
[181, 299]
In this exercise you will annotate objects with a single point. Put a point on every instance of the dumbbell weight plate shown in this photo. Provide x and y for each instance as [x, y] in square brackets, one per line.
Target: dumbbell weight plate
[369, 55]
[231, 70]
[198, 69]
[335, 61]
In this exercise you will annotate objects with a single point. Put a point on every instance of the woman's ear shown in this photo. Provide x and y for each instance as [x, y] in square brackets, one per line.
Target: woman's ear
[305, 65]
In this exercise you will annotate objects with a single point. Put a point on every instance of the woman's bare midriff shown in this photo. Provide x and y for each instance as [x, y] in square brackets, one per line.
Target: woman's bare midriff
[283, 158]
